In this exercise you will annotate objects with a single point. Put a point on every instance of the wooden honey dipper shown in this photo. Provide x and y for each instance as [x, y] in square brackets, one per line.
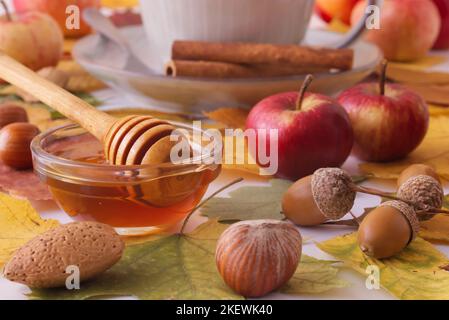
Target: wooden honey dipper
[126, 141]
[132, 140]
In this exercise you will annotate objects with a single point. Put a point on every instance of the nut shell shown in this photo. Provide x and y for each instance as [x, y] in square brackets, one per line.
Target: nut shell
[259, 256]
[15, 140]
[333, 192]
[299, 206]
[11, 113]
[423, 190]
[408, 212]
[41, 263]
[388, 229]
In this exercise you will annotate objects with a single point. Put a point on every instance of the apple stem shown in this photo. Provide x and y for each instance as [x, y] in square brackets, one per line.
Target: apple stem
[383, 76]
[307, 81]
[5, 7]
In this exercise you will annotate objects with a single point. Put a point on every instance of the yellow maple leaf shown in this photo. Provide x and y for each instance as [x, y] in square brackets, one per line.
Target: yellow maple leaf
[435, 110]
[415, 273]
[436, 229]
[19, 223]
[420, 64]
[434, 151]
[230, 117]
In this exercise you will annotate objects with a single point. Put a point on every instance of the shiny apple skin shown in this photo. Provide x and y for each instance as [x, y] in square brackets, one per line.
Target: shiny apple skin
[32, 38]
[386, 128]
[319, 135]
[57, 9]
[408, 28]
[328, 10]
[443, 38]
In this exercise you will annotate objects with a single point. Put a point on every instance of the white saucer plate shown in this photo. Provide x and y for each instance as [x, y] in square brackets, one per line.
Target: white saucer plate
[193, 95]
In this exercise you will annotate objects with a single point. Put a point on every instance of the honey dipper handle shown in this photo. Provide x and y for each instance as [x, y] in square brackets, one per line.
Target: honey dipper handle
[96, 122]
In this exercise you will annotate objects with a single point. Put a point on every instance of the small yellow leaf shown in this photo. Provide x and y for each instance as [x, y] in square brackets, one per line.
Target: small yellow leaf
[434, 151]
[436, 229]
[230, 117]
[19, 223]
[415, 273]
[84, 83]
[410, 75]
[242, 160]
[435, 110]
[420, 64]
[123, 112]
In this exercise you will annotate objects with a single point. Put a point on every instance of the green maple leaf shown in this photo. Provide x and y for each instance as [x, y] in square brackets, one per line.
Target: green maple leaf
[253, 202]
[249, 203]
[183, 267]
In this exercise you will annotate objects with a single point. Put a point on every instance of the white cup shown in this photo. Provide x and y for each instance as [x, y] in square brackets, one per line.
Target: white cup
[264, 21]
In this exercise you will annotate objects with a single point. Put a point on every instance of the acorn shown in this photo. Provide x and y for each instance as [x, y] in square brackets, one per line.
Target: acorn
[15, 140]
[417, 170]
[328, 194]
[257, 257]
[388, 229]
[423, 190]
[11, 113]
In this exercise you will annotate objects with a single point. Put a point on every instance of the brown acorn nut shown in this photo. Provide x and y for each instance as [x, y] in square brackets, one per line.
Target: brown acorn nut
[417, 170]
[42, 262]
[326, 195]
[388, 229]
[259, 256]
[423, 190]
[11, 113]
[15, 140]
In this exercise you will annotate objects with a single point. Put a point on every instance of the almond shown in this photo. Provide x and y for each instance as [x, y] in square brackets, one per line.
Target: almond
[42, 262]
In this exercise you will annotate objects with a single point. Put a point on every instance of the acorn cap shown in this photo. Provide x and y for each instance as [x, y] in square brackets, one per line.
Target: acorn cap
[408, 212]
[332, 191]
[423, 190]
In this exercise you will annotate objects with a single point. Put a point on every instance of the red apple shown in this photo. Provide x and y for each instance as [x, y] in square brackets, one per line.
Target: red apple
[389, 121]
[32, 38]
[408, 28]
[335, 9]
[442, 41]
[57, 9]
[314, 131]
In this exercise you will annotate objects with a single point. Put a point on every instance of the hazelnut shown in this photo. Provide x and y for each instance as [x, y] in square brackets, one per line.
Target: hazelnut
[326, 195]
[417, 170]
[388, 229]
[15, 140]
[256, 257]
[423, 190]
[11, 113]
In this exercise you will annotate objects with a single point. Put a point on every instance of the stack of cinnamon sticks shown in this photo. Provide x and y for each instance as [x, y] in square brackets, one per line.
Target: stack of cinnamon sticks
[253, 60]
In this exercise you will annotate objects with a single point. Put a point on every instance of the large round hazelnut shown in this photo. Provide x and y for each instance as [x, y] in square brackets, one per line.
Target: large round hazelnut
[256, 257]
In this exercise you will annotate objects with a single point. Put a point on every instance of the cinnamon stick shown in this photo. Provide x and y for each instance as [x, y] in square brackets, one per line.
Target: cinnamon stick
[254, 53]
[224, 70]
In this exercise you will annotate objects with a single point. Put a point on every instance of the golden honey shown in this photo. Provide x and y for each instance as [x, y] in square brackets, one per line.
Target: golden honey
[132, 199]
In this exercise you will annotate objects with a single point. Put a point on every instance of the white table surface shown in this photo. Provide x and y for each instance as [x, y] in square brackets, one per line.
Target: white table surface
[357, 289]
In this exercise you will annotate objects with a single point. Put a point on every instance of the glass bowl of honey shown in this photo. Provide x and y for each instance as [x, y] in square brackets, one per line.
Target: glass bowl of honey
[135, 199]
